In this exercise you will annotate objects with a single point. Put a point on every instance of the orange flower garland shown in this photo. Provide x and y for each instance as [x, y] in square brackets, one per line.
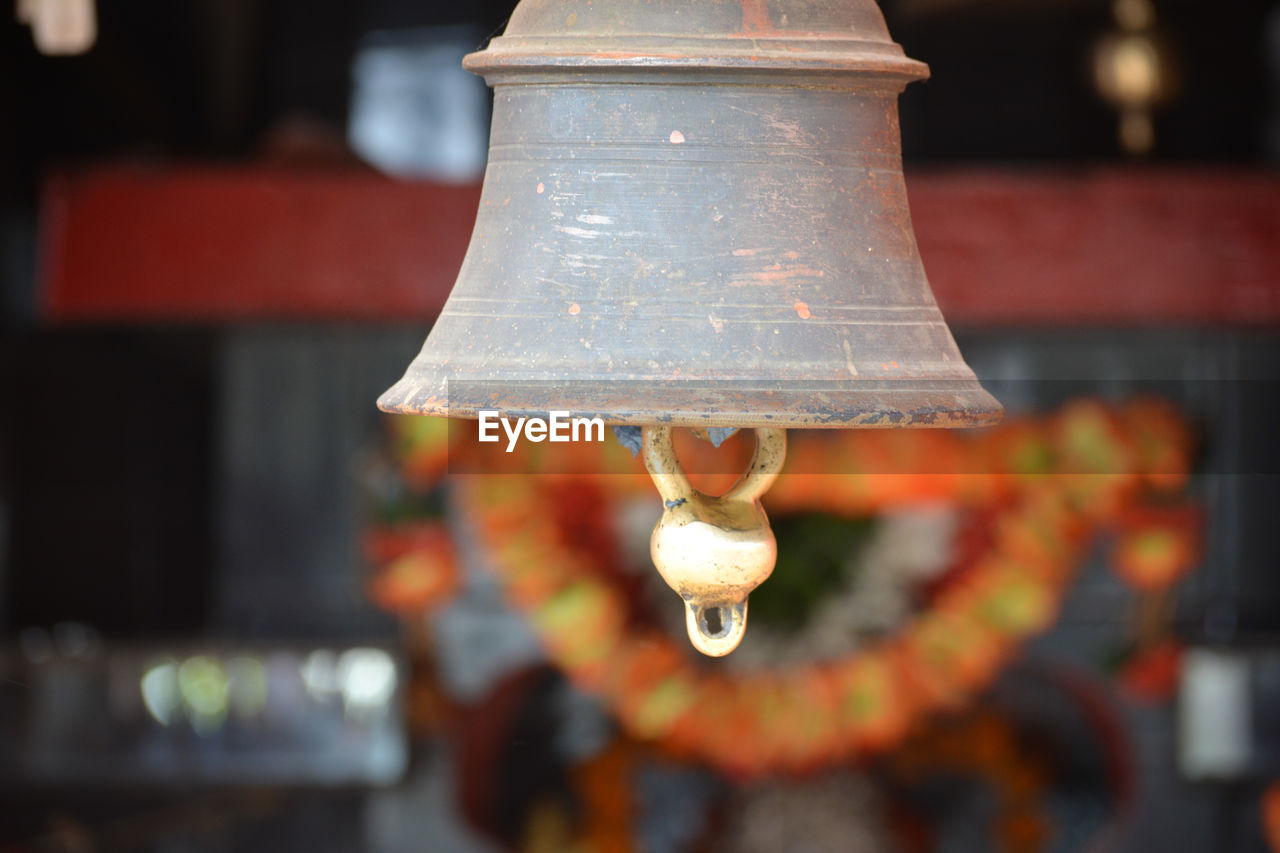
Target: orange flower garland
[1058, 480]
[1047, 485]
[1270, 809]
[415, 567]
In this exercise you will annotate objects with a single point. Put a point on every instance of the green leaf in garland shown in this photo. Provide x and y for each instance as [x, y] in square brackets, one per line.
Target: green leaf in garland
[815, 560]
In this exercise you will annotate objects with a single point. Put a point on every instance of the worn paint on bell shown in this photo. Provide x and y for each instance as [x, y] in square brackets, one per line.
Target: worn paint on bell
[755, 16]
[789, 139]
[776, 273]
[848, 357]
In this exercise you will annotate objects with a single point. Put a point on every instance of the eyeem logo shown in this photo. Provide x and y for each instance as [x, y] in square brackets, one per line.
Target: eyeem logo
[560, 428]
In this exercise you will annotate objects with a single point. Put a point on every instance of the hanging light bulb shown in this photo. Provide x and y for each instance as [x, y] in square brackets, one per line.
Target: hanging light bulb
[1133, 70]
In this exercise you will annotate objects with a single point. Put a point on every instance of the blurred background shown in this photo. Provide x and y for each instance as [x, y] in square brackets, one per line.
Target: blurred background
[241, 610]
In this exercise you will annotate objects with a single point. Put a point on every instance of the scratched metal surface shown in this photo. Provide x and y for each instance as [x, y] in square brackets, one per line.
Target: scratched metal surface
[705, 229]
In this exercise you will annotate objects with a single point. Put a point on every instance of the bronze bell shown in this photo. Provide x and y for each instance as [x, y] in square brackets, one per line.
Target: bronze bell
[694, 215]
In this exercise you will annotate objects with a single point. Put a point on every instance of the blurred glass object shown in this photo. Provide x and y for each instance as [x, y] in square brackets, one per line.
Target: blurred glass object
[415, 113]
[203, 684]
[1230, 715]
[368, 678]
[319, 673]
[160, 690]
[76, 640]
[60, 27]
[1215, 736]
[247, 686]
[218, 715]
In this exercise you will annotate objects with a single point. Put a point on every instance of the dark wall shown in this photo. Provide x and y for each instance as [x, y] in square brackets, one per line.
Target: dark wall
[107, 468]
[1011, 81]
[209, 77]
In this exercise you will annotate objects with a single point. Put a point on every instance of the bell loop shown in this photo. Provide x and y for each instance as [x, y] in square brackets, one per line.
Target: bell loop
[711, 550]
[716, 629]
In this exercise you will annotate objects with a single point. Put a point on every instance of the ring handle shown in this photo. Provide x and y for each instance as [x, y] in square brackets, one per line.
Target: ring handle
[673, 483]
[663, 465]
[766, 464]
[715, 629]
[713, 551]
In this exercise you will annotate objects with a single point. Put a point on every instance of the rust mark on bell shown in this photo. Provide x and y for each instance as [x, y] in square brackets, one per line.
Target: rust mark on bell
[755, 16]
[743, 281]
[848, 357]
[774, 274]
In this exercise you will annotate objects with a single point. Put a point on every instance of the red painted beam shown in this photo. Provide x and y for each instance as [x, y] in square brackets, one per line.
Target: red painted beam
[1001, 248]
[206, 245]
[1131, 247]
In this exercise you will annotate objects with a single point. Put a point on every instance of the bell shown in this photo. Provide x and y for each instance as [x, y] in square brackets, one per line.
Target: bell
[694, 214]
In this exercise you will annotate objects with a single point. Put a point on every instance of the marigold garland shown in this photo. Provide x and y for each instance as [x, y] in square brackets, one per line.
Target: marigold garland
[1049, 485]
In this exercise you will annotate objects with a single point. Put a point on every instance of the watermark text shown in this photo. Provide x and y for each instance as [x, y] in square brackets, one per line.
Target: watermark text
[558, 427]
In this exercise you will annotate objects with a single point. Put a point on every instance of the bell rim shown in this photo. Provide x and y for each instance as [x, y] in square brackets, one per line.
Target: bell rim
[947, 404]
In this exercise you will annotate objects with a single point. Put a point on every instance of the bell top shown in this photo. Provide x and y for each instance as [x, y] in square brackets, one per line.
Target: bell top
[716, 36]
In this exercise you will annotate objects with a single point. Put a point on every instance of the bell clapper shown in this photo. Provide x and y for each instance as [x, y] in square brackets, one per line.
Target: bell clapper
[713, 550]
